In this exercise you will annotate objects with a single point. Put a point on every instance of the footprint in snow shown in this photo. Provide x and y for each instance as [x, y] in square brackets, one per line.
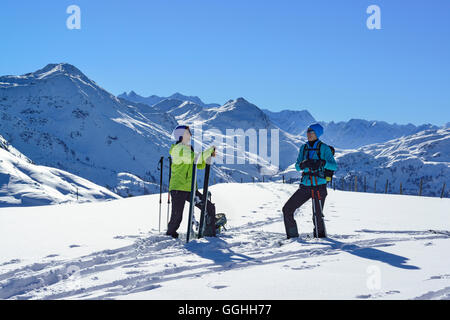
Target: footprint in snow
[132, 272]
[440, 277]
[219, 287]
[305, 266]
[128, 236]
[377, 295]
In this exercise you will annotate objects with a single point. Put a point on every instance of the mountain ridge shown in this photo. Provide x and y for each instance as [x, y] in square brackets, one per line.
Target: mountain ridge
[58, 117]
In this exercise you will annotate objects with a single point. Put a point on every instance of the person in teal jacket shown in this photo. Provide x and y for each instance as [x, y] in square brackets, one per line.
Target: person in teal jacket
[317, 162]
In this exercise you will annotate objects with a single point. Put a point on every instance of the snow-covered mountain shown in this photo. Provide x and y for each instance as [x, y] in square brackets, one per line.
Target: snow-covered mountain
[356, 133]
[235, 114]
[23, 183]
[407, 160]
[350, 134]
[134, 97]
[154, 99]
[292, 121]
[58, 117]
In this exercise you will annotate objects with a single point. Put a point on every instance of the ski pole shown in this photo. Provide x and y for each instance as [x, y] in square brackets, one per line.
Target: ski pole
[314, 208]
[161, 162]
[321, 211]
[168, 191]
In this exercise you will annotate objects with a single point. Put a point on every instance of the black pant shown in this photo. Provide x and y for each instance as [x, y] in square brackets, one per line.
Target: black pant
[303, 194]
[178, 200]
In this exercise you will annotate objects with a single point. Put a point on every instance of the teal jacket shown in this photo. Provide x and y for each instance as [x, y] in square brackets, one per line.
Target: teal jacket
[325, 154]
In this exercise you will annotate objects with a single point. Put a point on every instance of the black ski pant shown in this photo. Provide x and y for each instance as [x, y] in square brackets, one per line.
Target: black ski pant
[303, 194]
[179, 199]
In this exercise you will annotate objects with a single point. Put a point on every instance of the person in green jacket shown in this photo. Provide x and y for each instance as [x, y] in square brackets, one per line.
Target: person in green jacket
[317, 162]
[183, 155]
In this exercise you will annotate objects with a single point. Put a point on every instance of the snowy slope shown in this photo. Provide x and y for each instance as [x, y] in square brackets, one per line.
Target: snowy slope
[424, 155]
[379, 247]
[24, 184]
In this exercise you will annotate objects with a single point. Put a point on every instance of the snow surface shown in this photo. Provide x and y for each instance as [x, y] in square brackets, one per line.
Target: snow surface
[379, 247]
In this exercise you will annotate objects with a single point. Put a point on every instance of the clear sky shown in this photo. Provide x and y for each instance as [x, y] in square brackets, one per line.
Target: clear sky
[283, 54]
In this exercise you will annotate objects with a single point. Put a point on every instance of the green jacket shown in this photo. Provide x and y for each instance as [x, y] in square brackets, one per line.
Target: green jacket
[182, 163]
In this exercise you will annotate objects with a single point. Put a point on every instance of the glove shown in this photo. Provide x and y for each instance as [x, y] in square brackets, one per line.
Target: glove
[305, 164]
[322, 163]
[312, 164]
[329, 175]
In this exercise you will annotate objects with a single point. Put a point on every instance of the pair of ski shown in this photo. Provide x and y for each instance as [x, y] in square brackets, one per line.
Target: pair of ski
[207, 223]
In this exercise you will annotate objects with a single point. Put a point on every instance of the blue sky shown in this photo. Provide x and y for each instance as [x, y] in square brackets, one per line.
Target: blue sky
[284, 54]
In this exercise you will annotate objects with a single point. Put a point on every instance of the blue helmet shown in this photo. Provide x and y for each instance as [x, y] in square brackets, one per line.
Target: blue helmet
[317, 128]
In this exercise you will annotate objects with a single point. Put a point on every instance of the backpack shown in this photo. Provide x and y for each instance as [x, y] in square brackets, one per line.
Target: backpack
[317, 149]
[328, 174]
[221, 221]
